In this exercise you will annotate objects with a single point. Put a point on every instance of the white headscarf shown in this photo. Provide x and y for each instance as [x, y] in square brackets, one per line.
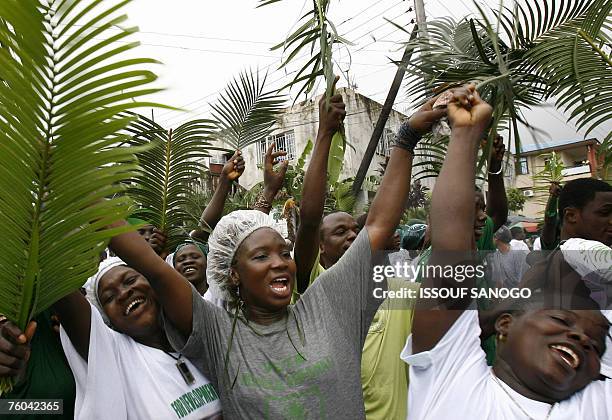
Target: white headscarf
[92, 283]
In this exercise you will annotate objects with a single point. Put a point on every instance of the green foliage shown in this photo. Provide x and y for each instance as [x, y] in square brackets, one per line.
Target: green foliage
[170, 162]
[429, 157]
[317, 36]
[335, 162]
[516, 199]
[340, 197]
[551, 173]
[534, 52]
[294, 178]
[604, 159]
[418, 196]
[64, 85]
[418, 203]
[244, 112]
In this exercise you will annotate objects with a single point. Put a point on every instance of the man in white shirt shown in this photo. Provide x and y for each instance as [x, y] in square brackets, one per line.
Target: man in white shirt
[518, 239]
[547, 364]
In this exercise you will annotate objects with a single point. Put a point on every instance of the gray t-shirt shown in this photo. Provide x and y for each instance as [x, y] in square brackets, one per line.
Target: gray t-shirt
[508, 269]
[280, 371]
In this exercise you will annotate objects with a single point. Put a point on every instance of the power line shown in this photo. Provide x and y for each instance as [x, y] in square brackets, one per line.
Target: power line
[303, 55]
[202, 50]
[362, 11]
[282, 77]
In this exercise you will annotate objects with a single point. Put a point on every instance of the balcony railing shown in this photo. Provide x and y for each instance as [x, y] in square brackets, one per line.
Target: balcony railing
[578, 170]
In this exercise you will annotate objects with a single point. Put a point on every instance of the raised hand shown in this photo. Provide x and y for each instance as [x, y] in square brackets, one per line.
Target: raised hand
[426, 116]
[554, 189]
[468, 110]
[14, 348]
[273, 180]
[497, 156]
[158, 241]
[331, 117]
[234, 167]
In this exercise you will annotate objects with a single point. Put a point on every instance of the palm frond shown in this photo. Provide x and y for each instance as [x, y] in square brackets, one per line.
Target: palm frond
[63, 87]
[578, 71]
[245, 113]
[551, 173]
[170, 162]
[537, 50]
[340, 197]
[317, 35]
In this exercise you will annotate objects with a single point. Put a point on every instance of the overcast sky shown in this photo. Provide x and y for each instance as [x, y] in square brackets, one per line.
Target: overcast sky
[203, 44]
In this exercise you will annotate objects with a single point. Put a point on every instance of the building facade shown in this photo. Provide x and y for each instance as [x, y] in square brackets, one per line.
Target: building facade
[579, 161]
[299, 124]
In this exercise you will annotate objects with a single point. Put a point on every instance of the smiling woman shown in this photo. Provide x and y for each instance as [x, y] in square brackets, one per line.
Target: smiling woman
[190, 260]
[104, 357]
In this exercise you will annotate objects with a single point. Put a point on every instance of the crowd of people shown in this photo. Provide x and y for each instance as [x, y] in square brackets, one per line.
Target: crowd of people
[242, 323]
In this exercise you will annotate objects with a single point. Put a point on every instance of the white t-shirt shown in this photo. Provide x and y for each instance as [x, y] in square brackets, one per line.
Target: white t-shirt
[128, 380]
[516, 245]
[537, 244]
[453, 381]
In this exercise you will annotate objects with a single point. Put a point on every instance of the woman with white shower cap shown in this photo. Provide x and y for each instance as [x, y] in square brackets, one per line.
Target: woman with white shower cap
[267, 358]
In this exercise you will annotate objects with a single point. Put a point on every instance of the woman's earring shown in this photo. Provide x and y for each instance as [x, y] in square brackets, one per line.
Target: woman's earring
[501, 337]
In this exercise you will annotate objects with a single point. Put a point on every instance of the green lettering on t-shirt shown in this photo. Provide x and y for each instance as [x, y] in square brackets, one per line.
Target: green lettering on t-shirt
[193, 400]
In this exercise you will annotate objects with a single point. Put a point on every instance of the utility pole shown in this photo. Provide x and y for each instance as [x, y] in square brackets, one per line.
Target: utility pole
[383, 117]
[421, 17]
[421, 29]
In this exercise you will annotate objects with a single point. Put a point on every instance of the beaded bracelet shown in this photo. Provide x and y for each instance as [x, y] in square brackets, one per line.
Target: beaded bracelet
[407, 137]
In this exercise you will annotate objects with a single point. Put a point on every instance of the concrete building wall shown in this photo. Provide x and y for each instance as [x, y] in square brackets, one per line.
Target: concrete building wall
[303, 119]
[575, 160]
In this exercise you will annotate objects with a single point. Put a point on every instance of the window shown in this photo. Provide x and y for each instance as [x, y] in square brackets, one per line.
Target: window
[284, 141]
[217, 159]
[385, 143]
[522, 167]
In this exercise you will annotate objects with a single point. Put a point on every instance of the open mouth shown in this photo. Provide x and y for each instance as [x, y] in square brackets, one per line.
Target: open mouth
[135, 304]
[280, 285]
[568, 355]
[189, 270]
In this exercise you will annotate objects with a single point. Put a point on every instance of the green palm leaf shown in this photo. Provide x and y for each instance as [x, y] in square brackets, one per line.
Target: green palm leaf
[63, 85]
[578, 71]
[551, 173]
[245, 113]
[537, 50]
[317, 35]
[170, 161]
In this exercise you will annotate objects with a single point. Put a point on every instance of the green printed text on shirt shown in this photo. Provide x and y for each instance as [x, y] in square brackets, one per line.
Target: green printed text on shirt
[193, 400]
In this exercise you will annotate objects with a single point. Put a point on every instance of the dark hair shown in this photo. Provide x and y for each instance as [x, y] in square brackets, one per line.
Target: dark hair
[325, 214]
[517, 232]
[503, 234]
[361, 220]
[580, 192]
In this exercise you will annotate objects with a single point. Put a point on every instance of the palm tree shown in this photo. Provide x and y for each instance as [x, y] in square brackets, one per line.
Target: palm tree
[245, 113]
[535, 51]
[317, 36]
[64, 85]
[170, 162]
